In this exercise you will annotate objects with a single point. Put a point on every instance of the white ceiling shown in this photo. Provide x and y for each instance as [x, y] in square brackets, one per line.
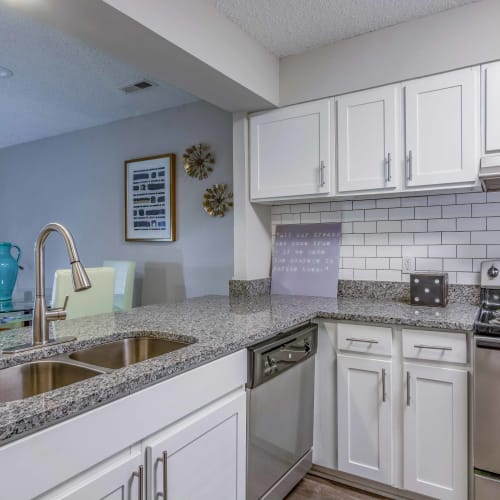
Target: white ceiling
[288, 27]
[61, 85]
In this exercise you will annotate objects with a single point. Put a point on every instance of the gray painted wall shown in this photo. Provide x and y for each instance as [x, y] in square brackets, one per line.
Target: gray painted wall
[77, 179]
[459, 37]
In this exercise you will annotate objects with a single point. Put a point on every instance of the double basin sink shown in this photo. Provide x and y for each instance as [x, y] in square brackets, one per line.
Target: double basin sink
[37, 377]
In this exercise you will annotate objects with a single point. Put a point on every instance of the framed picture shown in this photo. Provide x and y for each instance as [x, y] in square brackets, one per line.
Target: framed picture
[150, 198]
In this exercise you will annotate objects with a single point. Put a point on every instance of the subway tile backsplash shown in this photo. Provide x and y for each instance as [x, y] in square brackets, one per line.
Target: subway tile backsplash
[380, 237]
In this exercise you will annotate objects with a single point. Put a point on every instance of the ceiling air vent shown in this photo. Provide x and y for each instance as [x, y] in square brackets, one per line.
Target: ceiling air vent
[135, 87]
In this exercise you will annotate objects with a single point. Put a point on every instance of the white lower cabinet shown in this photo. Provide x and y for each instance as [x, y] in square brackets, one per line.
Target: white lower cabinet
[202, 457]
[115, 451]
[364, 408]
[435, 431]
[121, 478]
[403, 420]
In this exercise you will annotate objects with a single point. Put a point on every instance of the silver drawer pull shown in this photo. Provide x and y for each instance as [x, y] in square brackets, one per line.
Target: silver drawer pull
[366, 341]
[436, 347]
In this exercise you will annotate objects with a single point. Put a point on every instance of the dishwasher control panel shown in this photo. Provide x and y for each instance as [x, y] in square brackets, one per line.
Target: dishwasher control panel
[272, 357]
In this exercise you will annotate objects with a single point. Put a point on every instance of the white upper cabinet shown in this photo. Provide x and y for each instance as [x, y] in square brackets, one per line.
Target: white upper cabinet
[491, 108]
[424, 134]
[290, 152]
[441, 129]
[368, 132]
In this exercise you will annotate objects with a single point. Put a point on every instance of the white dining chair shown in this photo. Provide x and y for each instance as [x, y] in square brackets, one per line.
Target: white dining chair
[124, 283]
[96, 300]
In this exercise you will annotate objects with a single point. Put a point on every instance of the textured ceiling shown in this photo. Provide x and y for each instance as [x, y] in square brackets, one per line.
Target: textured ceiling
[288, 27]
[60, 85]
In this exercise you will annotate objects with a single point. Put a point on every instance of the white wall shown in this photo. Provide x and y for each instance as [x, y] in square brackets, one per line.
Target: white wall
[452, 39]
[77, 179]
[252, 222]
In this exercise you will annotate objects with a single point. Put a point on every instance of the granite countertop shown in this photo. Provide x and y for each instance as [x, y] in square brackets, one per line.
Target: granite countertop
[217, 325]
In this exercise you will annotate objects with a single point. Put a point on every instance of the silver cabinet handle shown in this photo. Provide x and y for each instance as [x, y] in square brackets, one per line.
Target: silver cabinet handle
[322, 173]
[162, 460]
[384, 395]
[389, 175]
[165, 475]
[410, 165]
[140, 488]
[148, 462]
[408, 398]
[366, 341]
[436, 347]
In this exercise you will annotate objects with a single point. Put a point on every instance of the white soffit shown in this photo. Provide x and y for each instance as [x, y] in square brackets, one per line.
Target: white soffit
[61, 84]
[287, 27]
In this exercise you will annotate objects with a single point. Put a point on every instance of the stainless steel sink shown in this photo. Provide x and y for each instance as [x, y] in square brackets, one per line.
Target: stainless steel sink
[125, 352]
[34, 378]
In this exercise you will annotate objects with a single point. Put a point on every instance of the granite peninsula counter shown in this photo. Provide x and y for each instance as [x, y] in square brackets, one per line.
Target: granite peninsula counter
[217, 325]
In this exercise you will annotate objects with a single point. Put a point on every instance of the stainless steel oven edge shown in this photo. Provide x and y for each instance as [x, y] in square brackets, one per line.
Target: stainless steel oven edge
[486, 418]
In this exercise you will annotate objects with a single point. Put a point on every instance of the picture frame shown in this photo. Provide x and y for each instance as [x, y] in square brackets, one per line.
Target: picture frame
[150, 198]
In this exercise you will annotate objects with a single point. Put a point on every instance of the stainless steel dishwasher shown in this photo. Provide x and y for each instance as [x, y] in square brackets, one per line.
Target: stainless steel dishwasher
[280, 412]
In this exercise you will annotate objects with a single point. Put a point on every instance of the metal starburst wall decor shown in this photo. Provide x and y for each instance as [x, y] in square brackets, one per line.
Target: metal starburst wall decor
[217, 200]
[198, 161]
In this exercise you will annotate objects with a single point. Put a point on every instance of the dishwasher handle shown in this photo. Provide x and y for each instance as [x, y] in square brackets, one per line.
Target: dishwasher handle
[291, 354]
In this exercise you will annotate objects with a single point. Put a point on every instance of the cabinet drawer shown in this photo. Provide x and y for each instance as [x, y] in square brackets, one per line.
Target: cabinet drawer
[365, 338]
[435, 346]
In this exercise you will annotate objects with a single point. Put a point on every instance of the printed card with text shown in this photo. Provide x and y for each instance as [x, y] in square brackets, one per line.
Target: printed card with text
[306, 259]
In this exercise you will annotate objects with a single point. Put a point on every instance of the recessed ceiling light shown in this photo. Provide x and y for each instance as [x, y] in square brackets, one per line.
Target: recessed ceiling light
[5, 72]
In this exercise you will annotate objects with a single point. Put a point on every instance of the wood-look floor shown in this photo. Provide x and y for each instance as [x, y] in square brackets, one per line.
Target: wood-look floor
[316, 488]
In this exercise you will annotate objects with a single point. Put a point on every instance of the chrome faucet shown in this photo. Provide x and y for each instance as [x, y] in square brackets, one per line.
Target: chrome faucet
[41, 315]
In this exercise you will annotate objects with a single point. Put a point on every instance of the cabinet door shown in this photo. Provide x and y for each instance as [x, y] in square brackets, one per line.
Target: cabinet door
[368, 131]
[441, 130]
[435, 431]
[290, 151]
[120, 478]
[365, 417]
[202, 457]
[491, 107]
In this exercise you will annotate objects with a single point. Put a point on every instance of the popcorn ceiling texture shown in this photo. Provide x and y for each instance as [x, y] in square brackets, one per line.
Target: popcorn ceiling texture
[288, 27]
[450, 232]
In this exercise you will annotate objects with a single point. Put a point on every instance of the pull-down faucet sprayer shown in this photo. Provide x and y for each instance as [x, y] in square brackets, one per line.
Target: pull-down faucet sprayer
[41, 315]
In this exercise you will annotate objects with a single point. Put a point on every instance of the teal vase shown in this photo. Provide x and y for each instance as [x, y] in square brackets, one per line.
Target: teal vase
[8, 270]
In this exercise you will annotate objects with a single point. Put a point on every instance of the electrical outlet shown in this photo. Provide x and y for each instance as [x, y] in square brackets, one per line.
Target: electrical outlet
[408, 264]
